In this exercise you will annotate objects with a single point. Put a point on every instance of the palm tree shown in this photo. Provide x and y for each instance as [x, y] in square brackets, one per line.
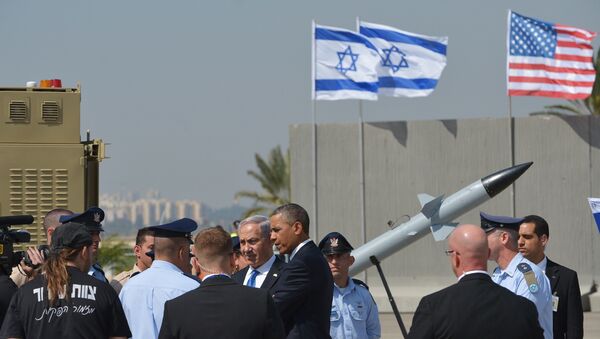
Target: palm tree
[274, 178]
[589, 105]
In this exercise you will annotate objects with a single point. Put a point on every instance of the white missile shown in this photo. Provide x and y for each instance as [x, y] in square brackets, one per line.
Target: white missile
[437, 214]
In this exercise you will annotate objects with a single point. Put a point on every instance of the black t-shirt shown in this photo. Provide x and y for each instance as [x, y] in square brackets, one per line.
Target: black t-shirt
[92, 310]
[7, 289]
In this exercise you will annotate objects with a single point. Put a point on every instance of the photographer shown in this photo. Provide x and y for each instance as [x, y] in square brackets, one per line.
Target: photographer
[63, 301]
[26, 271]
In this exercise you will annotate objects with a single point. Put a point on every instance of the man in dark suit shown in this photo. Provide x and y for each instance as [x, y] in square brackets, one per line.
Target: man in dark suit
[304, 290]
[567, 315]
[255, 244]
[474, 307]
[220, 308]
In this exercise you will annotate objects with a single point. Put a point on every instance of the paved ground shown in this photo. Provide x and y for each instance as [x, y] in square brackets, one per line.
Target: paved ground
[391, 330]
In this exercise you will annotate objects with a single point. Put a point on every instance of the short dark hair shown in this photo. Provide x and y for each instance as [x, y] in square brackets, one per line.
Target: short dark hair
[541, 226]
[293, 213]
[141, 235]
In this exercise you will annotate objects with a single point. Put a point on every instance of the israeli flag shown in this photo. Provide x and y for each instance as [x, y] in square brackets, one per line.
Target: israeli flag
[411, 64]
[344, 65]
[595, 206]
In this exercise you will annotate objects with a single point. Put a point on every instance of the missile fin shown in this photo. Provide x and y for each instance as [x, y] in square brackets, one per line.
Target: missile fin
[441, 232]
[430, 204]
[424, 198]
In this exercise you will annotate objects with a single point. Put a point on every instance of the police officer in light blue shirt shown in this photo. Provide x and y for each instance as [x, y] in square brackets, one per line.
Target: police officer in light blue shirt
[92, 219]
[514, 272]
[353, 311]
[144, 295]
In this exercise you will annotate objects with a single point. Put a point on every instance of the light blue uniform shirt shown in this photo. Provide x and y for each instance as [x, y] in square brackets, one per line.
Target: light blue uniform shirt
[514, 280]
[354, 313]
[144, 296]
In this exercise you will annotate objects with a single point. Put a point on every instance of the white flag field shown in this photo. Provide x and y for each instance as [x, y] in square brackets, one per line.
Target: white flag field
[344, 65]
[411, 64]
[378, 60]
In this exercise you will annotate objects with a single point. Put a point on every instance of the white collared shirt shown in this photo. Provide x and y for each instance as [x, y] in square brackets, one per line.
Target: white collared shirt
[298, 248]
[472, 272]
[216, 274]
[263, 271]
[542, 264]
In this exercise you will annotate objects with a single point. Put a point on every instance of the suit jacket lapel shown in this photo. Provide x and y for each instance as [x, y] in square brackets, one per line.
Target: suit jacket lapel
[553, 274]
[272, 275]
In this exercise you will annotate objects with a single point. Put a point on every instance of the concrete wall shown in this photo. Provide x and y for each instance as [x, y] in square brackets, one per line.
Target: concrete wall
[402, 159]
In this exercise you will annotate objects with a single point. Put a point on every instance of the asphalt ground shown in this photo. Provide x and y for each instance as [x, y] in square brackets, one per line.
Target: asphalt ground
[391, 330]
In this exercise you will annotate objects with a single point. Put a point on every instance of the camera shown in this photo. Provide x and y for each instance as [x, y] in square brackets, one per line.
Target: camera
[8, 237]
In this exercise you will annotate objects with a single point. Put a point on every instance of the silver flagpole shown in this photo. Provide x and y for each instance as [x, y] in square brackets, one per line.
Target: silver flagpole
[314, 135]
[361, 150]
[511, 131]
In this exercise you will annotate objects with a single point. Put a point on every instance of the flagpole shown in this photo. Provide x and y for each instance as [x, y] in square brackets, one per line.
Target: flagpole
[314, 133]
[511, 147]
[361, 150]
[511, 127]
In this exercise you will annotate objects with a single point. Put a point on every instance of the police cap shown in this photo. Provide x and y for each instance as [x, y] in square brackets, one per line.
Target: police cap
[334, 243]
[490, 222]
[181, 228]
[70, 235]
[235, 242]
[91, 218]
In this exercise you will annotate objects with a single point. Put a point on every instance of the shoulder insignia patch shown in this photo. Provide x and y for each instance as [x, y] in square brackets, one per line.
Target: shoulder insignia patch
[529, 277]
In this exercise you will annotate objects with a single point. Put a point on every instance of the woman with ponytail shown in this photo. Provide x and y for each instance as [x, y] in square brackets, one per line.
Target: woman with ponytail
[63, 301]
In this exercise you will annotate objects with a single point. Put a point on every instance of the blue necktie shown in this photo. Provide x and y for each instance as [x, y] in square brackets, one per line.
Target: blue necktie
[252, 280]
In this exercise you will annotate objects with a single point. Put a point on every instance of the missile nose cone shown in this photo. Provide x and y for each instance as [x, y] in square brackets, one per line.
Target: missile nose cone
[497, 182]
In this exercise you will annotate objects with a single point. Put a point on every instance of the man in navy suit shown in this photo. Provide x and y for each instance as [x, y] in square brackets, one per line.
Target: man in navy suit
[304, 290]
[474, 307]
[255, 244]
[567, 315]
[220, 308]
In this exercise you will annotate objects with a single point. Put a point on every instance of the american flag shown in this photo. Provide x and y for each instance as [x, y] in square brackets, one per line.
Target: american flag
[549, 60]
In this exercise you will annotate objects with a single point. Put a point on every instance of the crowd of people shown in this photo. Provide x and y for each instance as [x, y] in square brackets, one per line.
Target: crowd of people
[271, 280]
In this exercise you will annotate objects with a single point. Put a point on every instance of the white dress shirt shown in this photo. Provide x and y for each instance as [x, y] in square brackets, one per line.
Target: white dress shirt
[263, 271]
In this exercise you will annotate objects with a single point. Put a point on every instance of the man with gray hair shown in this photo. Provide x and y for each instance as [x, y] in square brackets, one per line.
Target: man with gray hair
[257, 248]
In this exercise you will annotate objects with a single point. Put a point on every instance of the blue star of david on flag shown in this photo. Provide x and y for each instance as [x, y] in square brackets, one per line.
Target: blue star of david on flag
[345, 65]
[420, 58]
[388, 60]
[346, 57]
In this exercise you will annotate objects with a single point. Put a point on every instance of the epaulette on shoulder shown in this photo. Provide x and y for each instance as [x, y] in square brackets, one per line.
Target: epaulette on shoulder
[360, 283]
[530, 278]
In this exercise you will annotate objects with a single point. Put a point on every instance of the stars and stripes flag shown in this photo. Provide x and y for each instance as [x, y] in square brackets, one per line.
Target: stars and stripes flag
[549, 60]
[411, 64]
[344, 65]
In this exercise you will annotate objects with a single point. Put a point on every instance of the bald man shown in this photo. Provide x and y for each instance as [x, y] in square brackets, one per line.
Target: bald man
[474, 307]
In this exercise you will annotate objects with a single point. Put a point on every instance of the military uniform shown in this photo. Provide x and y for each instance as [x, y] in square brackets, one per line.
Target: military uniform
[521, 276]
[121, 279]
[354, 313]
[144, 295]
[92, 219]
[92, 309]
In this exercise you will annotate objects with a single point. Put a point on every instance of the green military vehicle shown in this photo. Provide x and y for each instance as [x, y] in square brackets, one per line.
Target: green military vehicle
[44, 164]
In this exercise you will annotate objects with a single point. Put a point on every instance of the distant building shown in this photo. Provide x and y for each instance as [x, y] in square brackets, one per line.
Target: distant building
[148, 210]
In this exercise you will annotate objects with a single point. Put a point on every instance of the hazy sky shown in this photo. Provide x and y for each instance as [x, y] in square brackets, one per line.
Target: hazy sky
[187, 91]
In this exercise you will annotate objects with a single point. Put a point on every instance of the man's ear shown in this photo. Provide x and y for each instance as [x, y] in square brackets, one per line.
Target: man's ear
[352, 260]
[504, 237]
[297, 228]
[137, 250]
[49, 233]
[544, 240]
